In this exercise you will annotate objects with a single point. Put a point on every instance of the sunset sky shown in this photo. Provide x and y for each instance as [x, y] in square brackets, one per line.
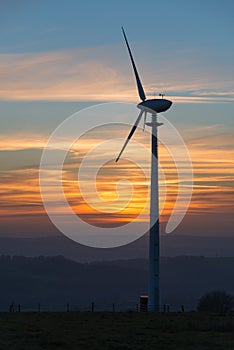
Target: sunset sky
[59, 57]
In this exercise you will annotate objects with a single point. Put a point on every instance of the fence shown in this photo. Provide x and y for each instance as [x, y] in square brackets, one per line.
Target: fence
[91, 307]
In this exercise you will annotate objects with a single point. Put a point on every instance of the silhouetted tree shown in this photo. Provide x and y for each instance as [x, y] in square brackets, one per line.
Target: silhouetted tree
[216, 301]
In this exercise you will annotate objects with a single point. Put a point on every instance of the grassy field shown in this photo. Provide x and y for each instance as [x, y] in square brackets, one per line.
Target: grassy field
[115, 331]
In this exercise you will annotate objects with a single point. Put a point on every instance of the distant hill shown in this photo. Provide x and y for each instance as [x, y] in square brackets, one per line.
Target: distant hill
[171, 245]
[54, 281]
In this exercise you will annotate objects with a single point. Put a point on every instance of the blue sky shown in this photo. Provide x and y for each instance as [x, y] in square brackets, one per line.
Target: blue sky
[182, 47]
[49, 25]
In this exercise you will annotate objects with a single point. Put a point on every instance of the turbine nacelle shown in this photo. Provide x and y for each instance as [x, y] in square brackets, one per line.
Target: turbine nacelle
[157, 105]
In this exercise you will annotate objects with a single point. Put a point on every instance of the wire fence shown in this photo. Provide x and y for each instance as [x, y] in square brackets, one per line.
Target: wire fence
[89, 307]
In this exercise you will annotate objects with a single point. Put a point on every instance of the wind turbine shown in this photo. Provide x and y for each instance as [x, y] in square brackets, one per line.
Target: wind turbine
[153, 107]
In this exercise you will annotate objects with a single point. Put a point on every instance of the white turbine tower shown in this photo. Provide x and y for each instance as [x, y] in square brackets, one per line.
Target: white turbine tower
[153, 107]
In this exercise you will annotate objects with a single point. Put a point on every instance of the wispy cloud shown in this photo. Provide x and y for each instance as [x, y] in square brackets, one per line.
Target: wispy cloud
[21, 141]
[99, 74]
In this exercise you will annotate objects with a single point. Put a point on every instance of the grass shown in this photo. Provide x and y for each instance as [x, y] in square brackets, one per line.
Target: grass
[115, 331]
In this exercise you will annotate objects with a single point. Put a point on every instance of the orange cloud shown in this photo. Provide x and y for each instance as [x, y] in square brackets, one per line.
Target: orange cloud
[213, 181]
[18, 141]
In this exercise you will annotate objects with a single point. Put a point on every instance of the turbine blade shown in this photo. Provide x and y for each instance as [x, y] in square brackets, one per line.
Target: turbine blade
[130, 135]
[139, 85]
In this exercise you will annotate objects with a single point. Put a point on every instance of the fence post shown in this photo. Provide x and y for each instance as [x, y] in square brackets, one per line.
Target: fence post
[19, 308]
[113, 307]
[39, 307]
[68, 309]
[137, 307]
[92, 306]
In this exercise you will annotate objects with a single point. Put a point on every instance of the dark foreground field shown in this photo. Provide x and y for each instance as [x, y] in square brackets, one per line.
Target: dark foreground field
[115, 331]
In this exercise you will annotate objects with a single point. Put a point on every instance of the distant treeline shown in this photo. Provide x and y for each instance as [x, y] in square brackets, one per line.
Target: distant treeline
[55, 280]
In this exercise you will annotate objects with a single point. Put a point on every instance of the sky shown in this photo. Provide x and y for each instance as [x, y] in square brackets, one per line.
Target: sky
[60, 57]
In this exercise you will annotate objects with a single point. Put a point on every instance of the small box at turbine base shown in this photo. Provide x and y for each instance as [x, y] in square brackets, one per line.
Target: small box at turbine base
[143, 303]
